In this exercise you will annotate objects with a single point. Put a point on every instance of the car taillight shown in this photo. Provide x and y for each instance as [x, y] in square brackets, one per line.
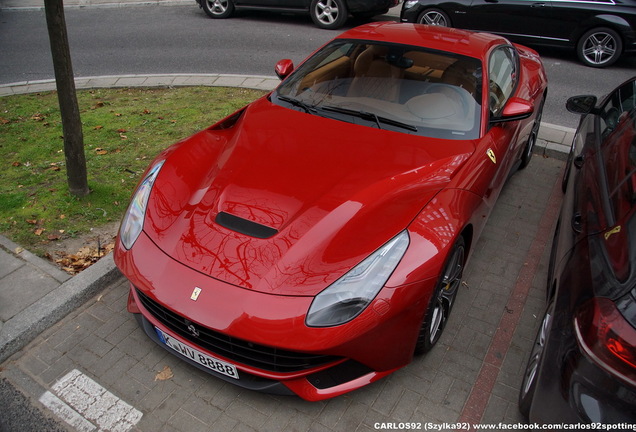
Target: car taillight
[607, 338]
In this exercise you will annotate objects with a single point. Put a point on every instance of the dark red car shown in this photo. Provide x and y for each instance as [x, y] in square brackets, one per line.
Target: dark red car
[582, 368]
[314, 241]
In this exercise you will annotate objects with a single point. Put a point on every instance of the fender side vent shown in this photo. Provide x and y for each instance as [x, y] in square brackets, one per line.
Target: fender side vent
[244, 226]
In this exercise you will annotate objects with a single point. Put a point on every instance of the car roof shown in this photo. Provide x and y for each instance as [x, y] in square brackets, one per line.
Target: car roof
[453, 40]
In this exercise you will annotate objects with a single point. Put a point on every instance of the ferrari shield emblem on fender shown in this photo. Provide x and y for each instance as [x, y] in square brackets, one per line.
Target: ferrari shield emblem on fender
[491, 155]
[613, 231]
[195, 294]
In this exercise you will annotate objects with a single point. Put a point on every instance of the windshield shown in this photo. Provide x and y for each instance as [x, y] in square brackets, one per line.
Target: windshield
[388, 86]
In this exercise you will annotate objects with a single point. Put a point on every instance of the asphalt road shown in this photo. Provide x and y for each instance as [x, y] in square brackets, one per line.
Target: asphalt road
[156, 39]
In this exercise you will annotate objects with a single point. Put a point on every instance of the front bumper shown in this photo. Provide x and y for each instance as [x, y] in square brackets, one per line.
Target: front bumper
[373, 345]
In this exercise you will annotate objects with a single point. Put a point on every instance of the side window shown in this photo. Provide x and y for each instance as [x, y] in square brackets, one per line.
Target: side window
[619, 104]
[618, 148]
[502, 75]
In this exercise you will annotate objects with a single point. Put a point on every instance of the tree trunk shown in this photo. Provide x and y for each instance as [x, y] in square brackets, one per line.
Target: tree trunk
[71, 122]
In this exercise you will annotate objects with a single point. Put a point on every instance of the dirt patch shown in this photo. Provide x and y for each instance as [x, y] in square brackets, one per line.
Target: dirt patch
[74, 254]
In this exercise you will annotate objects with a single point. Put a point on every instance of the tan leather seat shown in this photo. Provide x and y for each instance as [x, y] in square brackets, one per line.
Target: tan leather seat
[374, 76]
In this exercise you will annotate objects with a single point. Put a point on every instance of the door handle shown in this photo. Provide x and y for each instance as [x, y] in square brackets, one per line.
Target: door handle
[534, 5]
[577, 222]
[578, 161]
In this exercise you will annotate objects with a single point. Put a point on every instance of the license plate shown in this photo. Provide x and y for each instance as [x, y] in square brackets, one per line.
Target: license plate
[197, 356]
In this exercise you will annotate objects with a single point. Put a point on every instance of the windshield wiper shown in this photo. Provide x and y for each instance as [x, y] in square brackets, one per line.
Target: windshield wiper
[310, 109]
[369, 116]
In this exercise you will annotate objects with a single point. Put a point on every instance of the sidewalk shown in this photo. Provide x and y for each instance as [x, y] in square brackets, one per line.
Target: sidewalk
[39, 4]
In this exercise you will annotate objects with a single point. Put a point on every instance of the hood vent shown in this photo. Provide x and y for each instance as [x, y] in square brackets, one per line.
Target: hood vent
[244, 226]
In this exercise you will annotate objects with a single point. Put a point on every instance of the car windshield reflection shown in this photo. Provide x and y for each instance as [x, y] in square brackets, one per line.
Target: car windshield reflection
[400, 88]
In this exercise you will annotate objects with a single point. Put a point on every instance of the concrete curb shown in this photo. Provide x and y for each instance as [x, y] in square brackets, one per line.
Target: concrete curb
[26, 326]
[30, 5]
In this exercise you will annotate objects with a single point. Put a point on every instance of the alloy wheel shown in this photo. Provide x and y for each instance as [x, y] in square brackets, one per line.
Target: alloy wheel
[434, 17]
[530, 375]
[327, 11]
[600, 47]
[218, 7]
[450, 284]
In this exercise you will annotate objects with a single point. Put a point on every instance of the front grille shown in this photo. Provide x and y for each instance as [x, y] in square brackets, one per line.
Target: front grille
[239, 350]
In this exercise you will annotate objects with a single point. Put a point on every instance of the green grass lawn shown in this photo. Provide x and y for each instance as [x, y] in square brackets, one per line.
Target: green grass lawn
[123, 130]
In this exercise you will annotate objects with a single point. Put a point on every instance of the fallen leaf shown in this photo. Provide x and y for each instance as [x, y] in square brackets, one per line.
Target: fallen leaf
[16, 164]
[146, 111]
[101, 151]
[121, 130]
[38, 232]
[98, 127]
[53, 237]
[165, 374]
[4, 121]
[18, 250]
[32, 221]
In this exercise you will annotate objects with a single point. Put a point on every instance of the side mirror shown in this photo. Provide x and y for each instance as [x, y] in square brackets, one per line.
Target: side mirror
[581, 104]
[284, 68]
[515, 109]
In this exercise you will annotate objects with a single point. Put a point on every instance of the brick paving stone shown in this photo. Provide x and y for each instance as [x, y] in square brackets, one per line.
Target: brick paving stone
[354, 416]
[186, 422]
[246, 414]
[387, 399]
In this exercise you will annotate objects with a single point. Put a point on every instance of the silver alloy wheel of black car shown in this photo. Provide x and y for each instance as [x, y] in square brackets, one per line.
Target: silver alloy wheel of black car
[218, 8]
[529, 383]
[599, 47]
[328, 14]
[443, 298]
[434, 17]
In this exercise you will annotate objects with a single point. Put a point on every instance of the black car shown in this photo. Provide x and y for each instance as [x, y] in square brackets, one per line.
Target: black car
[327, 14]
[582, 368]
[600, 30]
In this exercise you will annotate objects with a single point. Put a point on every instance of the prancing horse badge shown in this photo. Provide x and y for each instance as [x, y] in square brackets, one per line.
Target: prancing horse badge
[491, 155]
[195, 294]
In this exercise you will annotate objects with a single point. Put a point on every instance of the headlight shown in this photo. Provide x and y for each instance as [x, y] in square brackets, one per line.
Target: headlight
[351, 294]
[133, 221]
[408, 4]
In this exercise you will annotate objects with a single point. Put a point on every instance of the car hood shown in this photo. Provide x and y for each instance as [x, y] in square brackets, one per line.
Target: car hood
[322, 194]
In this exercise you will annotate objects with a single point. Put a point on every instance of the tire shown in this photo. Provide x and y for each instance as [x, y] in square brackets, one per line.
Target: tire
[443, 298]
[599, 47]
[529, 383]
[218, 8]
[328, 14]
[532, 139]
[435, 17]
